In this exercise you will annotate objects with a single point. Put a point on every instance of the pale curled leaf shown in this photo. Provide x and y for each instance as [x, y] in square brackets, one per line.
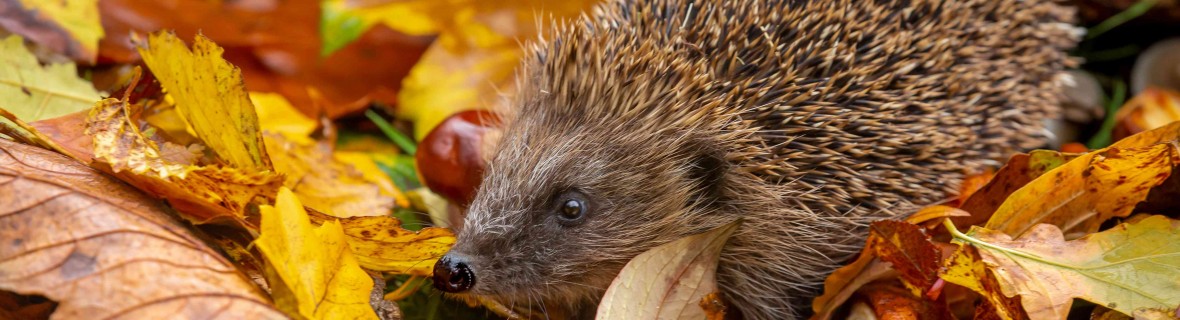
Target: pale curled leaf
[669, 281]
[310, 269]
[1126, 268]
[103, 250]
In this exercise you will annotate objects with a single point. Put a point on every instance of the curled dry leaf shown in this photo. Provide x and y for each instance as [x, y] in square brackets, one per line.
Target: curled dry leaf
[381, 244]
[668, 281]
[1150, 109]
[311, 271]
[103, 250]
[1126, 268]
[69, 27]
[1081, 194]
[201, 193]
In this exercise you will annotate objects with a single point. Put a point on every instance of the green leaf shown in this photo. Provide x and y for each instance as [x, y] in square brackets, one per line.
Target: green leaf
[34, 92]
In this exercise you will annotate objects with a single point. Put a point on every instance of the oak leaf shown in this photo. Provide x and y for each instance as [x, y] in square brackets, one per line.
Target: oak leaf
[70, 27]
[1126, 268]
[668, 281]
[311, 271]
[103, 250]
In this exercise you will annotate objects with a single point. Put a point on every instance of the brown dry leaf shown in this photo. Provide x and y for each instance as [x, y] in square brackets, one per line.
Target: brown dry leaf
[909, 250]
[1126, 268]
[311, 271]
[381, 244]
[967, 269]
[100, 248]
[844, 282]
[202, 193]
[890, 302]
[668, 281]
[68, 27]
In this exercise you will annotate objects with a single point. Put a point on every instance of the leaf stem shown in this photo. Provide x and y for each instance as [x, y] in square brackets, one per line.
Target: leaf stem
[1132, 12]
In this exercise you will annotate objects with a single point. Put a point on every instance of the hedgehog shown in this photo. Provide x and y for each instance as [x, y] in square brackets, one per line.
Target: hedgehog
[645, 121]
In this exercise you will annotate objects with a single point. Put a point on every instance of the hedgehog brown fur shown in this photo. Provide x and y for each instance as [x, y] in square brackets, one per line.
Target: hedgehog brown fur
[806, 119]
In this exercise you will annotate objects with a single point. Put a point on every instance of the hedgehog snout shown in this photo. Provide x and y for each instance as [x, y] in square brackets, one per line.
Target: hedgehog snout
[453, 274]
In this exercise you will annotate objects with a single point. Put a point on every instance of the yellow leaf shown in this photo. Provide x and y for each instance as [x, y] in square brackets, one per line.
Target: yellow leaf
[34, 92]
[202, 193]
[311, 271]
[369, 170]
[78, 18]
[381, 244]
[329, 185]
[210, 96]
[1086, 191]
[276, 114]
[1126, 268]
[669, 281]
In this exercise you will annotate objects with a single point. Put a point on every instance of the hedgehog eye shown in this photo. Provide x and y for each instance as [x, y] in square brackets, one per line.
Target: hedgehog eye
[571, 207]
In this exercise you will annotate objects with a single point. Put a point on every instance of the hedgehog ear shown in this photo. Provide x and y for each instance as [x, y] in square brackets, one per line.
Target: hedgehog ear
[708, 171]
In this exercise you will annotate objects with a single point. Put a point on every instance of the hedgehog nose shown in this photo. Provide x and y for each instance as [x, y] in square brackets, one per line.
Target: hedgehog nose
[451, 274]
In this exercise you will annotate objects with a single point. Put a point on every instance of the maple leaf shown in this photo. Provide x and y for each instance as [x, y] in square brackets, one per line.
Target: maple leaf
[311, 271]
[1126, 268]
[668, 281]
[66, 26]
[34, 92]
[104, 250]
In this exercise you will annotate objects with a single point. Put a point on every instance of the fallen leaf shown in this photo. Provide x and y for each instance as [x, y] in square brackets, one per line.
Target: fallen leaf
[275, 53]
[1083, 193]
[668, 281]
[1126, 268]
[326, 184]
[381, 244]
[277, 115]
[1150, 109]
[967, 269]
[210, 96]
[202, 193]
[845, 281]
[311, 271]
[69, 27]
[909, 250]
[891, 302]
[100, 248]
[34, 92]
[1018, 171]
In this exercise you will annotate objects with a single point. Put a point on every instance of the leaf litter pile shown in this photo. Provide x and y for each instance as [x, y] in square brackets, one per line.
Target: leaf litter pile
[250, 160]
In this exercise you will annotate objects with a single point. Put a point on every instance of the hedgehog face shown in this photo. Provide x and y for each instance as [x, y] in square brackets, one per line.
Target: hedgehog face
[559, 212]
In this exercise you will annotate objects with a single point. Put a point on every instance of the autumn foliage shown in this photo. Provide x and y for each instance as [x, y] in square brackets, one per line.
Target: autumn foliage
[248, 160]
